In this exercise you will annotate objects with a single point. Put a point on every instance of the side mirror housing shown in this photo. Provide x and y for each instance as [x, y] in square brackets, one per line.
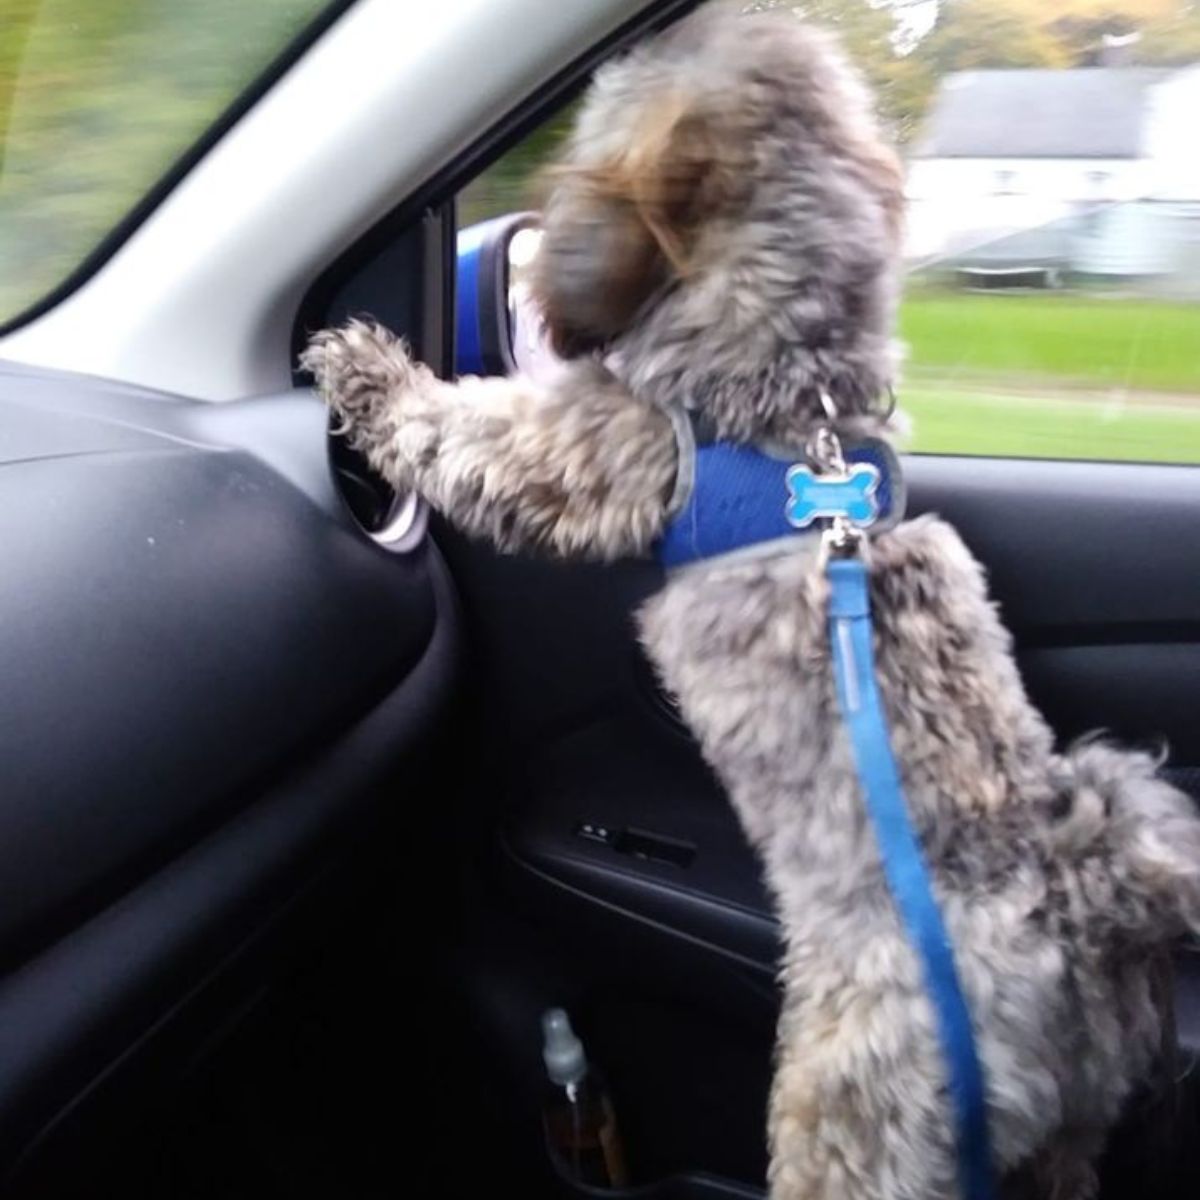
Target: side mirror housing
[491, 314]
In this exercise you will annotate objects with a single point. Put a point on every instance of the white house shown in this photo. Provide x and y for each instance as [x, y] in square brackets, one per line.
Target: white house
[1095, 171]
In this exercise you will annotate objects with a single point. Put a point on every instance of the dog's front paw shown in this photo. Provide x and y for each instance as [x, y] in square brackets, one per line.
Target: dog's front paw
[364, 373]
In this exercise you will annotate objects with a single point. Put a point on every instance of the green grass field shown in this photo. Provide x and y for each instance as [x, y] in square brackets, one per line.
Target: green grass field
[1142, 345]
[1063, 376]
[950, 420]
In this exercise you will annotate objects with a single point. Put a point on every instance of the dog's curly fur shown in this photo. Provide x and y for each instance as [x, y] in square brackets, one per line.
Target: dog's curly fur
[722, 234]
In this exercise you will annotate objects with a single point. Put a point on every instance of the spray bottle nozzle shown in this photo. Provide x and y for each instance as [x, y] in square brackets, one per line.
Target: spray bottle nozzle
[562, 1051]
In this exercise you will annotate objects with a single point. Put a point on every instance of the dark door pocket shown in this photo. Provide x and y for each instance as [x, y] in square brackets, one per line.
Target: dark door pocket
[677, 1187]
[681, 1187]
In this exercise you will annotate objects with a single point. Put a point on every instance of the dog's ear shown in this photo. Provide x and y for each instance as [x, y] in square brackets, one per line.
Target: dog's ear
[619, 228]
[675, 176]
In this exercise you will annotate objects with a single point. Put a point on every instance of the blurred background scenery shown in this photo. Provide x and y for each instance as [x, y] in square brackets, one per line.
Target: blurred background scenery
[1053, 163]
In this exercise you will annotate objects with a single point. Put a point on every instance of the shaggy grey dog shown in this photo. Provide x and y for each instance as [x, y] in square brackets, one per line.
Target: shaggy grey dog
[722, 236]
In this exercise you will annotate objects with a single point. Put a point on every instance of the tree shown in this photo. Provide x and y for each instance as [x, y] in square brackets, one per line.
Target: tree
[1171, 40]
[97, 99]
[976, 34]
[1085, 28]
[1067, 33]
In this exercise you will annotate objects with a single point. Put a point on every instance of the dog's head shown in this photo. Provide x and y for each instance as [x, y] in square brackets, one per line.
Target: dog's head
[726, 220]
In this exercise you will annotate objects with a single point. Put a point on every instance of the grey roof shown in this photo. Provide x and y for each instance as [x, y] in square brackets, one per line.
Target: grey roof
[1090, 112]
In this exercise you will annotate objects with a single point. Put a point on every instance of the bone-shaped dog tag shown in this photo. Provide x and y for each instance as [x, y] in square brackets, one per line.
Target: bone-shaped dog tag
[851, 495]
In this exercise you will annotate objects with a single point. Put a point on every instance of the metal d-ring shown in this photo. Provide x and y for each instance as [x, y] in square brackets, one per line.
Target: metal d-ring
[824, 451]
[824, 448]
[839, 539]
[891, 408]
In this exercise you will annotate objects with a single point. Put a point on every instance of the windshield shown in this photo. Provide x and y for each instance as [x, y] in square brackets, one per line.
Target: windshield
[98, 98]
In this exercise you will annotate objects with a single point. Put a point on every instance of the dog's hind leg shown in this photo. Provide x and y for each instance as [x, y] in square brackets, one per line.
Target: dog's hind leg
[577, 467]
[858, 1110]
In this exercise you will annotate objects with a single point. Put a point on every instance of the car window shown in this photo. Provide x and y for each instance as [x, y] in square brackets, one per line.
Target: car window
[1052, 300]
[98, 98]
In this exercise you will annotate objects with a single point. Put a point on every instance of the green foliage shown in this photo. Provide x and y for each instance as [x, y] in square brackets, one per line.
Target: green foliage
[1172, 40]
[1066, 33]
[976, 34]
[97, 99]
[510, 184]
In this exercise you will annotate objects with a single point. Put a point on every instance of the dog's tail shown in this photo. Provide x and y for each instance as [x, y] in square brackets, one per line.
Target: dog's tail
[1133, 845]
[1135, 841]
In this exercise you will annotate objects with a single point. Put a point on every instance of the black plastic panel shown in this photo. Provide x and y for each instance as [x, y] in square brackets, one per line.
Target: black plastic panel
[186, 607]
[75, 1015]
[683, 1187]
[213, 682]
[1078, 553]
[1097, 571]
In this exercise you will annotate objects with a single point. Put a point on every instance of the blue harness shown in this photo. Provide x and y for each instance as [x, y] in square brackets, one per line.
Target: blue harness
[742, 498]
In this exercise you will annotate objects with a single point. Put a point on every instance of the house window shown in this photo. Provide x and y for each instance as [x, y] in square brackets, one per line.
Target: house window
[1004, 183]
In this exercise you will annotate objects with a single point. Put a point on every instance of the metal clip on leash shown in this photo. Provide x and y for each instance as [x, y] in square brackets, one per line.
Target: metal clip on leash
[840, 538]
[851, 637]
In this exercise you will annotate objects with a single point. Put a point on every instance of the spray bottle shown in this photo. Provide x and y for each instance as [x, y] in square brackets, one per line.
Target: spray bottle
[581, 1128]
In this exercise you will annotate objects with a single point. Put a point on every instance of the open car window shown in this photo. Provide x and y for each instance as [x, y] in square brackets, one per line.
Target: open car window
[1052, 262]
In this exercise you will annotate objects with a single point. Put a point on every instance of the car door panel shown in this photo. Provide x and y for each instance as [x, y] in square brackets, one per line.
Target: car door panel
[73, 1016]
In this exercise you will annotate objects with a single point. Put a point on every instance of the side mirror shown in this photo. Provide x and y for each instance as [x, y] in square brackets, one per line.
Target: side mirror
[498, 331]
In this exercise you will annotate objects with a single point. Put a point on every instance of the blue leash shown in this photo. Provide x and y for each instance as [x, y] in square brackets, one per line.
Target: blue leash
[850, 634]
